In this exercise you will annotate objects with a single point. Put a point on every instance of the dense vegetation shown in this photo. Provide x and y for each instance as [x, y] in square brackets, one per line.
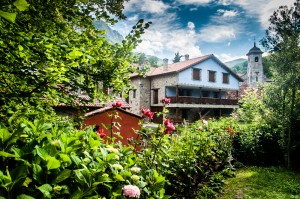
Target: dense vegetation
[45, 58]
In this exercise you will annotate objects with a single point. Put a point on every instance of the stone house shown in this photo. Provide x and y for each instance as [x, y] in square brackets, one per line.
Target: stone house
[197, 87]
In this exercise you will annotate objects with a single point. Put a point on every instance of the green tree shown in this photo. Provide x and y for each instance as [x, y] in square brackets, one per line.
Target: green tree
[282, 40]
[177, 57]
[50, 49]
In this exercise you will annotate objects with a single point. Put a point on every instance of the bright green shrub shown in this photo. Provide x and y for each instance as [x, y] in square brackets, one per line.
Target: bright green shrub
[188, 157]
[42, 160]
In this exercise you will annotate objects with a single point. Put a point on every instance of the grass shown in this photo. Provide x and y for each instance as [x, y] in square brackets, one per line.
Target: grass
[262, 183]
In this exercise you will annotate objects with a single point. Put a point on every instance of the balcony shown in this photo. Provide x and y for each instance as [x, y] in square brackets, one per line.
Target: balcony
[202, 100]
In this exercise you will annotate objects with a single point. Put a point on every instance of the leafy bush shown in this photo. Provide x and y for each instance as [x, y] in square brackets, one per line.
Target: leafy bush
[42, 160]
[188, 157]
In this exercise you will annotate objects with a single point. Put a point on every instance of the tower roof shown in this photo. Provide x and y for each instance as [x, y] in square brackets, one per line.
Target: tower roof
[254, 50]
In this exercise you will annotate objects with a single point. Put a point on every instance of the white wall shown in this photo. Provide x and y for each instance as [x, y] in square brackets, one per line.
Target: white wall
[185, 76]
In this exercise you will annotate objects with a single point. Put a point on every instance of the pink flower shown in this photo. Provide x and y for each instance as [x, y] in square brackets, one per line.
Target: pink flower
[147, 113]
[117, 104]
[131, 191]
[166, 100]
[167, 121]
[169, 126]
[101, 133]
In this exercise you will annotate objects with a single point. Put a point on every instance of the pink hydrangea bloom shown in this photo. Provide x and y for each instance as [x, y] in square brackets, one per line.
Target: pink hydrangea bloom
[131, 191]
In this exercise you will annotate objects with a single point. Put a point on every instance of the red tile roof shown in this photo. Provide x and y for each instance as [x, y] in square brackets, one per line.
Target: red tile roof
[104, 109]
[85, 98]
[179, 66]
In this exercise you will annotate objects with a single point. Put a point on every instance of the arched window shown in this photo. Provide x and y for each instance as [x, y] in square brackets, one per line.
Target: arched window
[256, 59]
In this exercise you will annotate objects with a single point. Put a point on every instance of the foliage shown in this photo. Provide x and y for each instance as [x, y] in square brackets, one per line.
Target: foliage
[282, 40]
[177, 57]
[50, 50]
[42, 160]
[152, 60]
[262, 183]
[188, 157]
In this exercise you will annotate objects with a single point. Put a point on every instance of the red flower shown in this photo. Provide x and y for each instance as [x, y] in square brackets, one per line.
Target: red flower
[117, 104]
[166, 100]
[167, 121]
[232, 132]
[147, 113]
[169, 126]
[227, 129]
[101, 133]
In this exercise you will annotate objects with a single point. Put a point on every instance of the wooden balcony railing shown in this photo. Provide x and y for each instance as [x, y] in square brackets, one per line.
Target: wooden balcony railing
[202, 100]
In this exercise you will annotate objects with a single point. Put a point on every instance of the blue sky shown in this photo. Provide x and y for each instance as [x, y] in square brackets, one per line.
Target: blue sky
[225, 28]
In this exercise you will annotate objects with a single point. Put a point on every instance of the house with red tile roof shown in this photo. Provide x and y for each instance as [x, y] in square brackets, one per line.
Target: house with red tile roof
[197, 88]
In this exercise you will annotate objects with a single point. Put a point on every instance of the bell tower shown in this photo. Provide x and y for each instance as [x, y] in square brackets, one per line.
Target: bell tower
[255, 73]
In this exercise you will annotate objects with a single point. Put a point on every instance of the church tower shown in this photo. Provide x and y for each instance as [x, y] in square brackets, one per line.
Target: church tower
[255, 71]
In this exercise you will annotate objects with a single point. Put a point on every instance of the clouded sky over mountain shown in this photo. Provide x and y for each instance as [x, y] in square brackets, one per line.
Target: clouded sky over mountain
[225, 28]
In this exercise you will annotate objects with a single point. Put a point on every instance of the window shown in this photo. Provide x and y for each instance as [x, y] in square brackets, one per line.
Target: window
[155, 96]
[211, 76]
[256, 59]
[196, 74]
[225, 78]
[134, 93]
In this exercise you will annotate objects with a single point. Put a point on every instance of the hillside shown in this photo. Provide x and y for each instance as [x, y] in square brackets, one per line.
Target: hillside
[232, 63]
[111, 35]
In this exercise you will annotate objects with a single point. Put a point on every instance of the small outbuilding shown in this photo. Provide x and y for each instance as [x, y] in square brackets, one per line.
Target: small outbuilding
[125, 122]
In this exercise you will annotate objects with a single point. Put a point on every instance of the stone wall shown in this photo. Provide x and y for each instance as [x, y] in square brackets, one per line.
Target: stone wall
[160, 82]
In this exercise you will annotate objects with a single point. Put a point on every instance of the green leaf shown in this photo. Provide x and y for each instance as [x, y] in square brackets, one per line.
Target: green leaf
[118, 177]
[4, 154]
[21, 4]
[4, 134]
[65, 158]
[42, 153]
[37, 172]
[8, 16]
[24, 196]
[76, 159]
[62, 176]
[46, 189]
[27, 182]
[52, 163]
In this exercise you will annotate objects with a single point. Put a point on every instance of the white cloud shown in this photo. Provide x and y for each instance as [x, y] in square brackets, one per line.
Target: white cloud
[193, 9]
[193, 2]
[227, 13]
[218, 33]
[262, 9]
[154, 7]
[191, 25]
[164, 41]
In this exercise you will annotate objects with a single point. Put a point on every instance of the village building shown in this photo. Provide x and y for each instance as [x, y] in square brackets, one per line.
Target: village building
[197, 88]
[255, 72]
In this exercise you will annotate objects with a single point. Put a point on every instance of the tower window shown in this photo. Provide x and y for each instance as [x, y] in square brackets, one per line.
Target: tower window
[256, 59]
[134, 93]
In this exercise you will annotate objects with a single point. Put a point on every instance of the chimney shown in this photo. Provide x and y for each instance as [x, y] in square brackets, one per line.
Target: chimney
[186, 57]
[165, 64]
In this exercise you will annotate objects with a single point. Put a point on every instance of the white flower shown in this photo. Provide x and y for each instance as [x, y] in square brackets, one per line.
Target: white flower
[135, 169]
[117, 166]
